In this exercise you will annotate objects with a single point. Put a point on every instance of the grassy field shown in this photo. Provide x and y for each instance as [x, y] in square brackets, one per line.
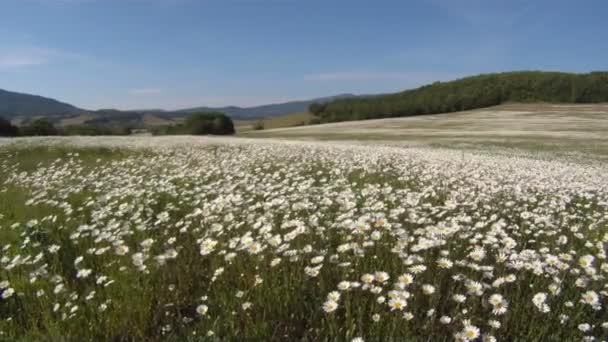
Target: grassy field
[196, 239]
[546, 127]
[288, 120]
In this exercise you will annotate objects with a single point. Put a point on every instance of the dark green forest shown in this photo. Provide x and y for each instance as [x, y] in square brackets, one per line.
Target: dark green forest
[203, 123]
[471, 93]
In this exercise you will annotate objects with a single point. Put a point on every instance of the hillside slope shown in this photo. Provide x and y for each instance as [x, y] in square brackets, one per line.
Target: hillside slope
[17, 104]
[21, 108]
[270, 110]
[534, 126]
[471, 93]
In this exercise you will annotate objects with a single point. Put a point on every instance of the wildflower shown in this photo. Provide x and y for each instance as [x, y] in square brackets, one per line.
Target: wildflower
[275, 262]
[202, 309]
[474, 287]
[84, 273]
[255, 248]
[539, 301]
[330, 306]
[7, 293]
[367, 278]
[207, 246]
[445, 263]
[406, 279]
[584, 327]
[54, 248]
[381, 277]
[343, 285]
[317, 260]
[494, 324]
[471, 332]
[586, 261]
[428, 289]
[333, 296]
[397, 304]
[459, 298]
[488, 338]
[591, 298]
[121, 250]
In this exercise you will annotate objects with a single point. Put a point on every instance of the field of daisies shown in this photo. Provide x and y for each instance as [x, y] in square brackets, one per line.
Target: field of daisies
[202, 239]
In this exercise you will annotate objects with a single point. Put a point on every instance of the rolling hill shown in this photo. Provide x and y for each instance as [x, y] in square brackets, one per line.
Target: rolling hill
[440, 97]
[573, 129]
[271, 110]
[21, 108]
[17, 104]
[471, 93]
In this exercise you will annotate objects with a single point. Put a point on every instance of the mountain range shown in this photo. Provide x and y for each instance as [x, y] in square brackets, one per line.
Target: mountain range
[20, 108]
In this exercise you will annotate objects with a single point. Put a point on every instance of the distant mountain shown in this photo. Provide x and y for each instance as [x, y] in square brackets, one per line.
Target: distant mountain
[16, 104]
[25, 107]
[270, 110]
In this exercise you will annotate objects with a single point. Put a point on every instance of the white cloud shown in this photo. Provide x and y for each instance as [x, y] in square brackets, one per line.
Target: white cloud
[9, 62]
[21, 57]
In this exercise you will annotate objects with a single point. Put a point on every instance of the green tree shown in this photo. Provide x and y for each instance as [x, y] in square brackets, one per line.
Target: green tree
[7, 129]
[471, 93]
[208, 123]
[39, 127]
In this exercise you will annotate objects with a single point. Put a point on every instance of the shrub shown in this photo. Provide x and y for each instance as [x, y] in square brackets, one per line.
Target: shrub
[7, 129]
[258, 125]
[207, 123]
[39, 127]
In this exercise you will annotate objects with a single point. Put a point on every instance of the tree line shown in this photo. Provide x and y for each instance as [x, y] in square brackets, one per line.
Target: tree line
[470, 93]
[213, 123]
[202, 123]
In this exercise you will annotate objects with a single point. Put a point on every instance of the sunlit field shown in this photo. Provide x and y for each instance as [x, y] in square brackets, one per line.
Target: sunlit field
[201, 239]
[566, 129]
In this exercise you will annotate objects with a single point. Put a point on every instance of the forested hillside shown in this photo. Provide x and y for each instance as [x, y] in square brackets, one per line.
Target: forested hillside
[14, 104]
[471, 93]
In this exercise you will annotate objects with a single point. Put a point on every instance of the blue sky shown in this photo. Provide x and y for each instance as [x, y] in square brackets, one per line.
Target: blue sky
[171, 54]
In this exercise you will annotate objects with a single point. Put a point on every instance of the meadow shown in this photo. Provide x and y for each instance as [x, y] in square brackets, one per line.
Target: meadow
[564, 129]
[205, 239]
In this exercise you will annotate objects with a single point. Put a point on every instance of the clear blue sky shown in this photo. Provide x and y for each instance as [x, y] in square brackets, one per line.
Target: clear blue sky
[179, 53]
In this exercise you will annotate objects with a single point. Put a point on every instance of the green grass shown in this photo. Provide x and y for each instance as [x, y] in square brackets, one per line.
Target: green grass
[245, 127]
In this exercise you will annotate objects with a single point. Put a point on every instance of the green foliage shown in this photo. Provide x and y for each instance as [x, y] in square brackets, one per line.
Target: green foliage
[7, 129]
[95, 130]
[258, 125]
[471, 93]
[213, 123]
[39, 127]
[315, 121]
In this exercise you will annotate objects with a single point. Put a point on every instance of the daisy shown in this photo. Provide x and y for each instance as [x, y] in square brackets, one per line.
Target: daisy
[397, 304]
[202, 309]
[330, 306]
[471, 332]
